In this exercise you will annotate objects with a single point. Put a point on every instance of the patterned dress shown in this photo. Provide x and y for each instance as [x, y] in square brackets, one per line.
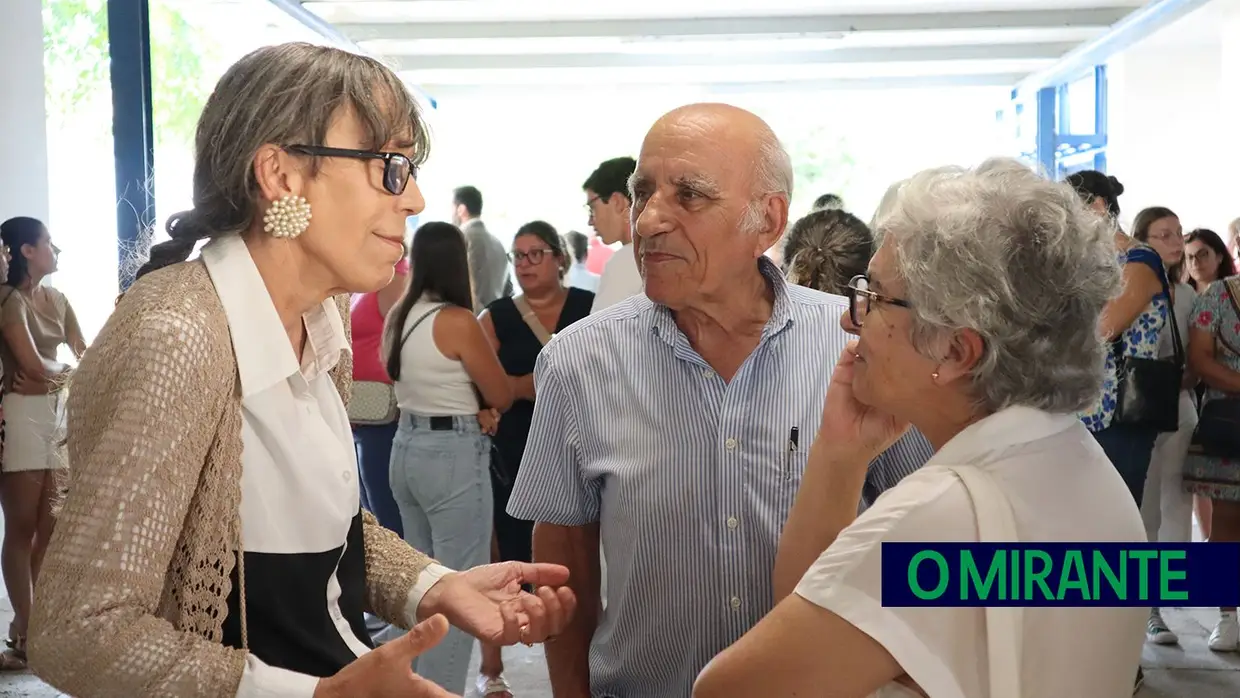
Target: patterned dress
[1213, 476]
[1141, 340]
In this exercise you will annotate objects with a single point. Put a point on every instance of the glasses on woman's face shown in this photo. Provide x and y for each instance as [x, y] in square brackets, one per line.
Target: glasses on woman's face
[398, 169]
[861, 299]
[1201, 257]
[534, 256]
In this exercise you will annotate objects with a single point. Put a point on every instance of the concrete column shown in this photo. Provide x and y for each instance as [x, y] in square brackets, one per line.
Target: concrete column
[23, 139]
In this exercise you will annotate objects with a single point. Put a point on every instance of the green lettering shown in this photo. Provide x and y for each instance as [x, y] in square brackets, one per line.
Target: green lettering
[1167, 575]
[1143, 558]
[1102, 568]
[944, 576]
[1015, 592]
[1073, 577]
[970, 577]
[1037, 576]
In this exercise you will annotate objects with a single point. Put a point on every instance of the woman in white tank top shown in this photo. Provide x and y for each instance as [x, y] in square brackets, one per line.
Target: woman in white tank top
[446, 376]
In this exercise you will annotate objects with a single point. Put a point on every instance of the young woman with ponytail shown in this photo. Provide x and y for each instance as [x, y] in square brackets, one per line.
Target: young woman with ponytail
[35, 321]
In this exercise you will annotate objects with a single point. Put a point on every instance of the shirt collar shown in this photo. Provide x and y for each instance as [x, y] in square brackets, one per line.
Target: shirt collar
[982, 441]
[264, 355]
[663, 324]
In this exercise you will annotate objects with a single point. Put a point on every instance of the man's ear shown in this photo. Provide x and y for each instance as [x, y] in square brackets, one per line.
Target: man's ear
[774, 221]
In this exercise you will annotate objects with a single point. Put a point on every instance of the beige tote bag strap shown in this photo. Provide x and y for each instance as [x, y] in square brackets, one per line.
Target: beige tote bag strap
[527, 314]
[995, 524]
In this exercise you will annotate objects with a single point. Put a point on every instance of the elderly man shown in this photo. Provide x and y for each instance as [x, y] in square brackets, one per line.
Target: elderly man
[677, 423]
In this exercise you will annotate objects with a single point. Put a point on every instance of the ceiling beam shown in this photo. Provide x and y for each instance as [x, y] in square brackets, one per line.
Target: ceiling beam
[1133, 28]
[325, 29]
[399, 28]
[911, 54]
[1000, 81]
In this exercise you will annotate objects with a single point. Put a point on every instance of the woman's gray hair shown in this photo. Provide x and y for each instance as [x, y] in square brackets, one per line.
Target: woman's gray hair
[290, 94]
[1016, 258]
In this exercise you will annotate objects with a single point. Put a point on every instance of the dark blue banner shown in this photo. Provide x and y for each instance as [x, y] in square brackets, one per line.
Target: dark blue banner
[1061, 574]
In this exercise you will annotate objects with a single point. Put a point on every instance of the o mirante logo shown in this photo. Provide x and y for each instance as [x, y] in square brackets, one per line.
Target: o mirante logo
[1061, 574]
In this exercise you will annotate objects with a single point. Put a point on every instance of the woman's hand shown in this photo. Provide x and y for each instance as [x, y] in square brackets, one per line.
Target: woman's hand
[488, 421]
[850, 427]
[387, 671]
[488, 602]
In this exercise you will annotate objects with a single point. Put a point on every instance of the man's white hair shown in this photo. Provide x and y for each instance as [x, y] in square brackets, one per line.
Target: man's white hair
[772, 175]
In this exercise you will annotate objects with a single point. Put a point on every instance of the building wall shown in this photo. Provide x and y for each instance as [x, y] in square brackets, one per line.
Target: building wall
[1170, 141]
[23, 138]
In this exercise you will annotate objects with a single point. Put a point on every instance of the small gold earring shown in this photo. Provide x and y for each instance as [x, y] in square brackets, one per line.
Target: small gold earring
[935, 375]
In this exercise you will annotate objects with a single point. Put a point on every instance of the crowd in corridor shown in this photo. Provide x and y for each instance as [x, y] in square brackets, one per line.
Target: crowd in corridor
[325, 458]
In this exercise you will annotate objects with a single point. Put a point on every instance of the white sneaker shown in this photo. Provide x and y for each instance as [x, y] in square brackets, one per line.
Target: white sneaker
[1157, 632]
[1226, 635]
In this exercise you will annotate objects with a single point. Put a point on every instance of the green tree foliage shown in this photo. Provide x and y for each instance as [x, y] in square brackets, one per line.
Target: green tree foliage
[75, 41]
[822, 163]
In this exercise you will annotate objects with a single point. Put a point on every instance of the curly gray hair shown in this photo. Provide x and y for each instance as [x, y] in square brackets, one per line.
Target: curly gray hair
[1018, 259]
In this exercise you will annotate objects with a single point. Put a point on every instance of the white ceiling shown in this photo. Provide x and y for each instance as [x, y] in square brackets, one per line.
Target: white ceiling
[452, 45]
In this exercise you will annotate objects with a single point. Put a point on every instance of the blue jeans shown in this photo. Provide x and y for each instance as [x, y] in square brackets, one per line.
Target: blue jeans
[441, 481]
[374, 455]
[1129, 449]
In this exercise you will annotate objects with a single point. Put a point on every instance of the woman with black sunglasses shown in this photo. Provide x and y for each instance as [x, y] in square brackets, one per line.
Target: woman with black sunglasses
[212, 543]
[518, 327]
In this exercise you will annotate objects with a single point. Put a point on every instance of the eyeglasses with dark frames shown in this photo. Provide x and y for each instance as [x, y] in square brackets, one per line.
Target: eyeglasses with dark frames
[535, 256]
[860, 298]
[398, 169]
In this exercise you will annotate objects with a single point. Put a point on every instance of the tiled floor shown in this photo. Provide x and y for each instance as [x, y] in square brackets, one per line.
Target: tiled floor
[1188, 670]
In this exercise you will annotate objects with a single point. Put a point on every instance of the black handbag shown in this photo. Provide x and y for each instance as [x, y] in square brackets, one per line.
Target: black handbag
[1148, 390]
[1218, 427]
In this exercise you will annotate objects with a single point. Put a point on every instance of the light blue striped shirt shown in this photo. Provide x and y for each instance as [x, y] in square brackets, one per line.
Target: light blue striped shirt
[690, 477]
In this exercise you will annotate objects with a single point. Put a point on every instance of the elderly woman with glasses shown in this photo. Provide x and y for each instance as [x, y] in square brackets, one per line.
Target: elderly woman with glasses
[977, 323]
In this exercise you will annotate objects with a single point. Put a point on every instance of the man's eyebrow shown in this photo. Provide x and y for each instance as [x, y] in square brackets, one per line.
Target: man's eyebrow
[698, 182]
[636, 179]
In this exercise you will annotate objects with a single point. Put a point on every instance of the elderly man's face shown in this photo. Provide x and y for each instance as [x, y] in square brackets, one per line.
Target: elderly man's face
[693, 183]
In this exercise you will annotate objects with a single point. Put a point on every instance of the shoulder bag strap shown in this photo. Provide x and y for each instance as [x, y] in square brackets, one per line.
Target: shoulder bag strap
[1177, 346]
[531, 319]
[995, 524]
[413, 327]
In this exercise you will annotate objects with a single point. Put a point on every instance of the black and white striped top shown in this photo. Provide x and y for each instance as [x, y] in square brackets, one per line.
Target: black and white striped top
[305, 567]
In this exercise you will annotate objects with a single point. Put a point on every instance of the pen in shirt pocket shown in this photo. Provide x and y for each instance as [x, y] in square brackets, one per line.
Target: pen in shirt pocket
[794, 441]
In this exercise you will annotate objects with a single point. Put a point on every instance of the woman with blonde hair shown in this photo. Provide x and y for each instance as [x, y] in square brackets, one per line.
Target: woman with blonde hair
[212, 543]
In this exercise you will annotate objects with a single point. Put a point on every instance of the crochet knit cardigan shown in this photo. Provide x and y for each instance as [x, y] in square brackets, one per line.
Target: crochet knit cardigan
[133, 590]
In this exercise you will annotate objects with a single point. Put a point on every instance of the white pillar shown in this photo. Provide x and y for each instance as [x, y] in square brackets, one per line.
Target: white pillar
[23, 112]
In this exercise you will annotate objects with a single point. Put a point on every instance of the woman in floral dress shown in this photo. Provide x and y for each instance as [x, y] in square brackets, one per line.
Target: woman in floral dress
[1214, 354]
[1134, 322]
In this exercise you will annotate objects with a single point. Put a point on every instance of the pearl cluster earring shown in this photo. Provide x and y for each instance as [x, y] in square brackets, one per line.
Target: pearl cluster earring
[287, 217]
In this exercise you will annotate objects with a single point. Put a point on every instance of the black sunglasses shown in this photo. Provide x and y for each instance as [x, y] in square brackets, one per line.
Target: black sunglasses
[860, 297]
[398, 169]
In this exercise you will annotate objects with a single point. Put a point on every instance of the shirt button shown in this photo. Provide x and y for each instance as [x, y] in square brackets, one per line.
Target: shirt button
[736, 602]
[731, 444]
[732, 522]
[707, 373]
[345, 475]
